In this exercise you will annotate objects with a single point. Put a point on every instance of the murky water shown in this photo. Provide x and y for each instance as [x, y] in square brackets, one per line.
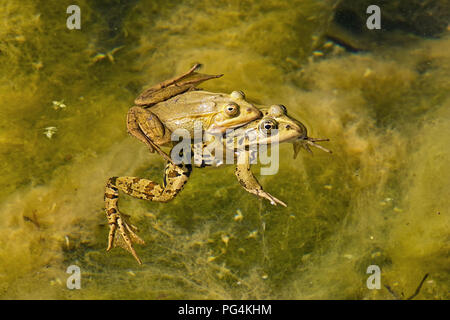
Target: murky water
[382, 198]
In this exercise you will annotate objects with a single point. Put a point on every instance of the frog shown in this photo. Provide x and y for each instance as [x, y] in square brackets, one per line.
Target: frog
[124, 234]
[178, 103]
[274, 127]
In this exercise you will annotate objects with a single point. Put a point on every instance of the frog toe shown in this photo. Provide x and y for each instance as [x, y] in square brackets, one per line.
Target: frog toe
[126, 239]
[274, 201]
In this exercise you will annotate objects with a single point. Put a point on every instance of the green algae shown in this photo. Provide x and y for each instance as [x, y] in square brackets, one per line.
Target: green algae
[381, 198]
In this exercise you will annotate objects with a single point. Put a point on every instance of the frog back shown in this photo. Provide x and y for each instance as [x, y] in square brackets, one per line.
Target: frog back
[183, 110]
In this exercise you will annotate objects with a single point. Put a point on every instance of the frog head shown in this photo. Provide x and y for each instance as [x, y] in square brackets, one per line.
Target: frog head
[233, 113]
[276, 126]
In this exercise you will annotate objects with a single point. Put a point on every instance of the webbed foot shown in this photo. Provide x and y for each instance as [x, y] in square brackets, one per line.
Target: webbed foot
[126, 236]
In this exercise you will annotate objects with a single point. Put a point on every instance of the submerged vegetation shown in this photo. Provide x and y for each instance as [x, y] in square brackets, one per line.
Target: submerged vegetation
[382, 198]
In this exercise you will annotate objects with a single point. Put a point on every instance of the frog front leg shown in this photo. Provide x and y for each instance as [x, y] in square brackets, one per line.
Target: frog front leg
[146, 126]
[175, 177]
[249, 182]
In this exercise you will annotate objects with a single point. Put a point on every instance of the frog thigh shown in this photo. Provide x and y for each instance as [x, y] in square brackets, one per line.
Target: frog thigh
[146, 126]
[249, 182]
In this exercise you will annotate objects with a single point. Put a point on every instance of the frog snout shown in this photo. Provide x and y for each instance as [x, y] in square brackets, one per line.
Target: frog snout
[296, 130]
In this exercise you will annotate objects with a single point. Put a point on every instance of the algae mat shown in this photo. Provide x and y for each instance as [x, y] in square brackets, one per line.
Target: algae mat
[382, 198]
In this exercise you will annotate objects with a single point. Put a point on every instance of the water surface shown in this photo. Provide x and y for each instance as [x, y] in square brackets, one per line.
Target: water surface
[382, 197]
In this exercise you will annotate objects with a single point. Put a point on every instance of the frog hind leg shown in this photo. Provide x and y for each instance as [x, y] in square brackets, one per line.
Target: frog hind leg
[146, 127]
[175, 178]
[118, 223]
[172, 87]
[249, 182]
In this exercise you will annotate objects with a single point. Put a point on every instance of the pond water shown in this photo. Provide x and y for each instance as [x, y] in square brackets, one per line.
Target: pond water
[382, 198]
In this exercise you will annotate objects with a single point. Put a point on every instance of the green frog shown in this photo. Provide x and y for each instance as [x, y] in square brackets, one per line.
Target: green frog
[275, 118]
[273, 128]
[177, 104]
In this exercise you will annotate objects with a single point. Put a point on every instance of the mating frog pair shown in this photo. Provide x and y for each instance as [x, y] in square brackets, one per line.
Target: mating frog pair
[178, 104]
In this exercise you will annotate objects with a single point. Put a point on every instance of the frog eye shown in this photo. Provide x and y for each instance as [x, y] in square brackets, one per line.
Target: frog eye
[267, 126]
[238, 95]
[231, 109]
[277, 110]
